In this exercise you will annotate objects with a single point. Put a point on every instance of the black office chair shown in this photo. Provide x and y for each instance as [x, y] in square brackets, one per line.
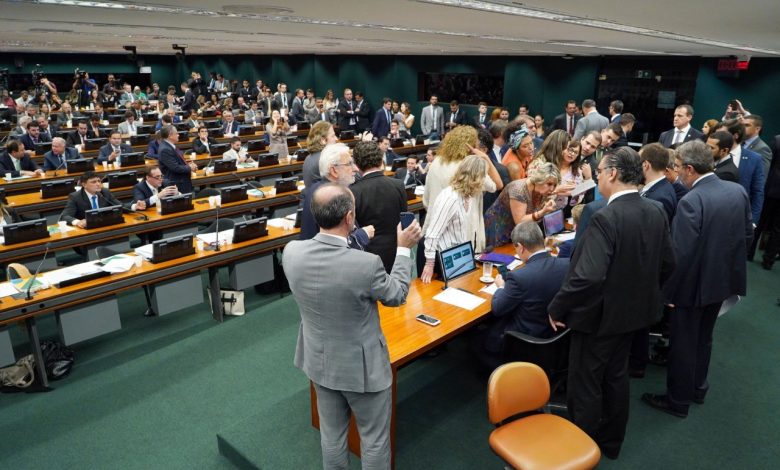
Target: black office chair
[218, 226]
[104, 252]
[551, 354]
[207, 192]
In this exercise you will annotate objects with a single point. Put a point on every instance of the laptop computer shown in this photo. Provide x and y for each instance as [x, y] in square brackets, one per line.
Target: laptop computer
[250, 229]
[553, 223]
[52, 189]
[172, 248]
[174, 204]
[457, 261]
[233, 193]
[104, 216]
[286, 185]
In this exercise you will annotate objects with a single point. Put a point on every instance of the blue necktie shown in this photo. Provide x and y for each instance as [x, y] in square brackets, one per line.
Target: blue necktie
[94, 202]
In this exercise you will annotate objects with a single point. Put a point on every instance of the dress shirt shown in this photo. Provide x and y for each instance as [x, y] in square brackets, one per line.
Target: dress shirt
[679, 134]
[701, 178]
[152, 199]
[650, 185]
[736, 155]
[620, 193]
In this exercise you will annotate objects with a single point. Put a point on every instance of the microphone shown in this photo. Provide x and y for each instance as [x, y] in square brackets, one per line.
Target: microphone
[252, 184]
[61, 165]
[37, 270]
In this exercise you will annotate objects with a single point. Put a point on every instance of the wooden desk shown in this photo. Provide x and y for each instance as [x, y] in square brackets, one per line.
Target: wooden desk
[408, 339]
[54, 298]
[155, 222]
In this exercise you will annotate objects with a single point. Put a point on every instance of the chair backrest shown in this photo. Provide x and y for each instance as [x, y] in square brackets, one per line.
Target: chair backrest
[105, 252]
[17, 271]
[515, 388]
[551, 354]
[224, 224]
[207, 192]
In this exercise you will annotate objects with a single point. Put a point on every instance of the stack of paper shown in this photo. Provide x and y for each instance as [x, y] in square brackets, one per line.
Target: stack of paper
[459, 298]
[144, 251]
[7, 289]
[117, 264]
[211, 238]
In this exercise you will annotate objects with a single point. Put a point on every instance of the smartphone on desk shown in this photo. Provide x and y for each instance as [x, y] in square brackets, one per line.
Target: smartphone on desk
[406, 219]
[428, 320]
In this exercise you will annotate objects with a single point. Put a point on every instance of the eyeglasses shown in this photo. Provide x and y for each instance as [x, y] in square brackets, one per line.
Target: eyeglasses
[158, 177]
[349, 163]
[602, 170]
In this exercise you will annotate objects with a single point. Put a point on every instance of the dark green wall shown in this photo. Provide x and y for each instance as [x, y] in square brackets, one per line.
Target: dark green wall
[544, 83]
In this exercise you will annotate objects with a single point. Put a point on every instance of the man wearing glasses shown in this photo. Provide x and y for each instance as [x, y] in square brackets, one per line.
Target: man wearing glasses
[147, 192]
[612, 289]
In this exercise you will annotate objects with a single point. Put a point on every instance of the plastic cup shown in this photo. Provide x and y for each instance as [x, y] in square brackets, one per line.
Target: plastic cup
[212, 201]
[62, 225]
[199, 244]
[8, 176]
[105, 165]
[138, 261]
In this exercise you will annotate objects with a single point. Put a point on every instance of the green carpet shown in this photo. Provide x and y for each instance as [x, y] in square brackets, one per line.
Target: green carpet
[158, 392]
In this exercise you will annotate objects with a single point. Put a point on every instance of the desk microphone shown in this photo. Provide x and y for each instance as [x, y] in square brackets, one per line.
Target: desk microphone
[253, 184]
[37, 270]
[61, 165]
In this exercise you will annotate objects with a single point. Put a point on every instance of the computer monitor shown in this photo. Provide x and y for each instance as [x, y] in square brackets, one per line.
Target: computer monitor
[104, 216]
[139, 139]
[42, 147]
[256, 145]
[95, 144]
[266, 159]
[285, 185]
[553, 223]
[172, 248]
[398, 163]
[132, 159]
[395, 143]
[122, 179]
[457, 261]
[174, 204]
[25, 231]
[301, 155]
[233, 193]
[216, 150]
[224, 166]
[80, 165]
[250, 229]
[347, 135]
[59, 188]
[246, 130]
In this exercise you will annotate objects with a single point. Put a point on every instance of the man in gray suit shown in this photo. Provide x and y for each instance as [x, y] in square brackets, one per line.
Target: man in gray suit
[753, 125]
[432, 121]
[341, 347]
[591, 121]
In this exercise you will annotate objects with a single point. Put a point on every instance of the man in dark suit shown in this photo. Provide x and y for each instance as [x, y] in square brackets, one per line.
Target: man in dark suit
[346, 112]
[229, 124]
[455, 117]
[612, 289]
[387, 152]
[482, 119]
[711, 231]
[379, 201]
[567, 121]
[148, 191]
[33, 136]
[282, 98]
[267, 103]
[92, 195]
[48, 130]
[188, 102]
[720, 144]
[591, 121]
[615, 111]
[113, 149]
[770, 218]
[683, 131]
[297, 114]
[752, 140]
[176, 171]
[339, 319]
[203, 143]
[246, 92]
[382, 119]
[362, 113]
[750, 165]
[79, 136]
[627, 121]
[655, 159]
[13, 160]
[57, 157]
[520, 303]
[411, 174]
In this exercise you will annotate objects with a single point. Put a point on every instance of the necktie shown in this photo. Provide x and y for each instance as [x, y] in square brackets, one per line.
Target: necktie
[17, 164]
[452, 117]
[94, 202]
[323, 116]
[434, 119]
[677, 136]
[388, 116]
[481, 118]
[284, 100]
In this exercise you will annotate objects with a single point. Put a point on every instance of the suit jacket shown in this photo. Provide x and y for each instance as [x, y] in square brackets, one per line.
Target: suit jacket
[593, 121]
[174, 169]
[663, 192]
[761, 148]
[379, 201]
[358, 238]
[340, 341]
[142, 192]
[461, 117]
[107, 149]
[249, 117]
[343, 115]
[482, 125]
[522, 304]
[78, 203]
[7, 164]
[279, 101]
[619, 266]
[230, 127]
[381, 125]
[188, 102]
[711, 261]
[62, 119]
[266, 105]
[124, 127]
[199, 147]
[74, 139]
[314, 115]
[53, 162]
[667, 137]
[363, 115]
[751, 177]
[28, 142]
[416, 178]
[727, 170]
[773, 179]
[560, 122]
[297, 114]
[679, 189]
[427, 122]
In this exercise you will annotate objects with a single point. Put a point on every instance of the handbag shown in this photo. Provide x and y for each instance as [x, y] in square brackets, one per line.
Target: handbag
[58, 359]
[19, 375]
[232, 302]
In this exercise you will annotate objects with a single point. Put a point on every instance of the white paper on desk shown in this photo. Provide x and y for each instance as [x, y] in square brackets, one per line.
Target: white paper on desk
[292, 216]
[210, 238]
[459, 298]
[17, 178]
[71, 272]
[279, 223]
[514, 264]
[144, 251]
[419, 190]
[564, 236]
[118, 264]
[255, 193]
[7, 289]
[583, 186]
[490, 289]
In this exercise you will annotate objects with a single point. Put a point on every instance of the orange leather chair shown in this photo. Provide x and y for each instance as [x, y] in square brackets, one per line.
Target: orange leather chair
[537, 441]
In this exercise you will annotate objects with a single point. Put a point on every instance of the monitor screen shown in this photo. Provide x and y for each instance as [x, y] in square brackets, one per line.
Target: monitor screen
[553, 223]
[457, 261]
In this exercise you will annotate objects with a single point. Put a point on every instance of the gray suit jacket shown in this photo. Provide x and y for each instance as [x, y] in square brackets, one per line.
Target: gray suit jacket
[592, 122]
[340, 341]
[124, 128]
[426, 121]
[761, 148]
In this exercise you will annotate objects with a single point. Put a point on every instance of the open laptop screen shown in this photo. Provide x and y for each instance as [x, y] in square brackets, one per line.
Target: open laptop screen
[553, 223]
[457, 261]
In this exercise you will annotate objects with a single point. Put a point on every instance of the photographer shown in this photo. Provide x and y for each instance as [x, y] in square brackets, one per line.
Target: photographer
[110, 91]
[735, 110]
[83, 85]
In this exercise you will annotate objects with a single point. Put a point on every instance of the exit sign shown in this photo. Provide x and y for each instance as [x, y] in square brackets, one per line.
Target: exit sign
[732, 65]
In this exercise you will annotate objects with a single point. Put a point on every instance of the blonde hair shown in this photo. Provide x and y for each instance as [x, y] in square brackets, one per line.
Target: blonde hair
[538, 174]
[454, 146]
[317, 133]
[470, 176]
